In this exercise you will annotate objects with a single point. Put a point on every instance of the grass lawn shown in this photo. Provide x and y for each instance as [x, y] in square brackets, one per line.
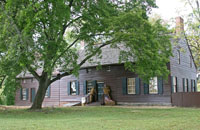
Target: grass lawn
[101, 118]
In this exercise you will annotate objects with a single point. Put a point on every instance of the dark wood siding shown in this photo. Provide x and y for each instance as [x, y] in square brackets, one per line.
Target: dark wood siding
[114, 79]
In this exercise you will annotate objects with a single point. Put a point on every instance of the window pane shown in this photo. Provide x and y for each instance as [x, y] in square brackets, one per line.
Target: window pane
[179, 60]
[153, 86]
[24, 94]
[89, 86]
[174, 81]
[73, 88]
[131, 86]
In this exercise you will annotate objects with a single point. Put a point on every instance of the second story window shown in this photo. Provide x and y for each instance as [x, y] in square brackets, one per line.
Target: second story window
[23, 81]
[191, 61]
[179, 56]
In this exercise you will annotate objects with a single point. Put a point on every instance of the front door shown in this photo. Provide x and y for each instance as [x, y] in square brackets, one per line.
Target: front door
[100, 86]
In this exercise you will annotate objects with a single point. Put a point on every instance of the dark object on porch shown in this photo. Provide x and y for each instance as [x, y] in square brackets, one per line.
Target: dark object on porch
[106, 97]
[93, 95]
[183, 99]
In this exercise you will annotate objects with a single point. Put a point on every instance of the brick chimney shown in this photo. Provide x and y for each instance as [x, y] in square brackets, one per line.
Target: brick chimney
[179, 25]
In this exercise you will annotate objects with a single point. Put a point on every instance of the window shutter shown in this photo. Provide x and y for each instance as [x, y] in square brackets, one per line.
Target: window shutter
[85, 87]
[49, 91]
[177, 85]
[32, 94]
[195, 86]
[27, 94]
[77, 88]
[146, 88]
[187, 85]
[160, 85]
[172, 85]
[137, 85]
[69, 88]
[183, 84]
[124, 86]
[21, 95]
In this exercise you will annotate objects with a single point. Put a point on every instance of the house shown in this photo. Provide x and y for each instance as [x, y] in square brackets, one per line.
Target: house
[126, 87]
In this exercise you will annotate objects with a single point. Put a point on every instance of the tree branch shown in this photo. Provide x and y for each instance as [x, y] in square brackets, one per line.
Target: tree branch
[82, 62]
[64, 51]
[33, 72]
[67, 25]
[193, 9]
[1, 84]
[70, 3]
[90, 56]
[197, 2]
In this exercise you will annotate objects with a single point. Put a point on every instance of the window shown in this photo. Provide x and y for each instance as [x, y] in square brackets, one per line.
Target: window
[89, 86]
[174, 83]
[23, 81]
[47, 94]
[179, 57]
[131, 86]
[73, 88]
[153, 86]
[191, 61]
[108, 69]
[24, 94]
[32, 80]
[88, 70]
[185, 85]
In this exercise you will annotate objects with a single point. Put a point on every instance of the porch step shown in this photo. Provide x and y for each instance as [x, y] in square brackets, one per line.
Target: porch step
[94, 104]
[72, 104]
[144, 104]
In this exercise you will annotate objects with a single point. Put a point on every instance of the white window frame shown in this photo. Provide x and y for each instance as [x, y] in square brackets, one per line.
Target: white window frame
[24, 94]
[131, 86]
[153, 85]
[73, 84]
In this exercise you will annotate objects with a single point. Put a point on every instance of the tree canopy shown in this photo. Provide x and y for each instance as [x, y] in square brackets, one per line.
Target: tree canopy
[45, 35]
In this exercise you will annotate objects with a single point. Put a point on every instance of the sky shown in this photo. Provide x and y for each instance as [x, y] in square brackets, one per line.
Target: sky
[171, 8]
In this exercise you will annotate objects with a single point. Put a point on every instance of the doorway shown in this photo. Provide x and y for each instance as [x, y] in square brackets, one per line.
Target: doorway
[100, 86]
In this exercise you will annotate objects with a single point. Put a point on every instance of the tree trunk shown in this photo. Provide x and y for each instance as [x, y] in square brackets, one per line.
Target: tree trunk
[43, 85]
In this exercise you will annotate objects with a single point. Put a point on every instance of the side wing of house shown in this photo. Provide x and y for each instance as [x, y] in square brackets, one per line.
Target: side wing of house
[182, 68]
[26, 93]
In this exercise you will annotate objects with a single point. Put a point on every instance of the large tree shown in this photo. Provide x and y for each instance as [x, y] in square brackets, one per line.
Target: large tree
[45, 34]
